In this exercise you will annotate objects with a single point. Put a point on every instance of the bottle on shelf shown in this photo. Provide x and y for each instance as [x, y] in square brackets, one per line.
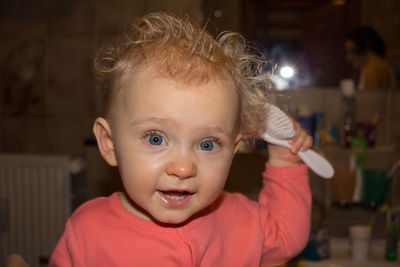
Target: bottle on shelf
[347, 112]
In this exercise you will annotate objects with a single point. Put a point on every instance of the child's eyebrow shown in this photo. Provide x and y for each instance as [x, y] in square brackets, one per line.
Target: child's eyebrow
[155, 119]
[212, 128]
[219, 130]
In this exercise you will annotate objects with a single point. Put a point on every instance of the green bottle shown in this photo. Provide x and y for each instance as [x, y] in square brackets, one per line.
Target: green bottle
[391, 241]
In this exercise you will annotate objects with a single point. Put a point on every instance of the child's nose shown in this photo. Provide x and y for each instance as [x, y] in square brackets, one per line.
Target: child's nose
[182, 167]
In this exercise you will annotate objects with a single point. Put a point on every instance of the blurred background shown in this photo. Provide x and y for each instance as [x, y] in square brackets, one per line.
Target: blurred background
[48, 102]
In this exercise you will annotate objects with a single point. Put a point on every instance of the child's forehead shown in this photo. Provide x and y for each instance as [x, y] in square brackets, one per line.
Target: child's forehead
[150, 74]
[149, 88]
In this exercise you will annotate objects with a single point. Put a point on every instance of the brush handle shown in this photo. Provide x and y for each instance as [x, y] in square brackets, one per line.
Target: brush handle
[314, 161]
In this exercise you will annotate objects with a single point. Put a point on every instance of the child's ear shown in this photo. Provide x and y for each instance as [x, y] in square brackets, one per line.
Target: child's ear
[102, 131]
[237, 142]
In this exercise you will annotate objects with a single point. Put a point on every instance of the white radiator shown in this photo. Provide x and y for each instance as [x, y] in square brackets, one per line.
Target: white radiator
[35, 202]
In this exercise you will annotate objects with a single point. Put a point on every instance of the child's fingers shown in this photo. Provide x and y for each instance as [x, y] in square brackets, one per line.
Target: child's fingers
[301, 141]
[307, 143]
[298, 130]
[298, 142]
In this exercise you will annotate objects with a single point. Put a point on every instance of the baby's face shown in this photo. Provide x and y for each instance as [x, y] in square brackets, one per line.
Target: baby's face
[174, 144]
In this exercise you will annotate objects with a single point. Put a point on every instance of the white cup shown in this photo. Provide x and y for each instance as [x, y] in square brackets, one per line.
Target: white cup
[360, 237]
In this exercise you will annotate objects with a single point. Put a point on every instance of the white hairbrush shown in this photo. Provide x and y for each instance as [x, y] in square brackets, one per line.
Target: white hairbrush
[280, 127]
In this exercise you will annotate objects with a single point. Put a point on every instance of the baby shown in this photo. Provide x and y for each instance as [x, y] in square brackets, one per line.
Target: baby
[178, 103]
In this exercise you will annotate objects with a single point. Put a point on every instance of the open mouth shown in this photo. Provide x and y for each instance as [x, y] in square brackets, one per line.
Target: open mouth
[175, 199]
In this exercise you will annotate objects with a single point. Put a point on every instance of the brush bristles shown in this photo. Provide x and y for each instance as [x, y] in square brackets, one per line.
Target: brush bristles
[279, 124]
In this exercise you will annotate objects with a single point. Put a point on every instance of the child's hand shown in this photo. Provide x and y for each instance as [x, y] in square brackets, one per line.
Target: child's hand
[282, 156]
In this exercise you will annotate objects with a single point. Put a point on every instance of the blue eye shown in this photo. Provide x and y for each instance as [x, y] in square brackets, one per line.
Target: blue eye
[207, 145]
[155, 139]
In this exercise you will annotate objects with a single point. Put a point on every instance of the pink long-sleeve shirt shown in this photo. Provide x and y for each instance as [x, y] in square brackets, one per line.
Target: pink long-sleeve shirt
[234, 232]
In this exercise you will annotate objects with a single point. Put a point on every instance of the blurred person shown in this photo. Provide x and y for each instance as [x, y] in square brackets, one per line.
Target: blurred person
[365, 50]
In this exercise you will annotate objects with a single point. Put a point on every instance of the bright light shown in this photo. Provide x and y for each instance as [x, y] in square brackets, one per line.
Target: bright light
[287, 72]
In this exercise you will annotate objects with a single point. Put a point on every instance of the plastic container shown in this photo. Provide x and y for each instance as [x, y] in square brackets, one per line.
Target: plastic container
[357, 163]
[360, 239]
[376, 184]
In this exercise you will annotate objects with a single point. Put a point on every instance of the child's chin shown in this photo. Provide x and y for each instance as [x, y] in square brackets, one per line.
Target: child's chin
[173, 218]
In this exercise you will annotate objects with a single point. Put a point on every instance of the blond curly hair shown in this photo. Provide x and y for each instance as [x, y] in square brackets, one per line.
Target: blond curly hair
[184, 51]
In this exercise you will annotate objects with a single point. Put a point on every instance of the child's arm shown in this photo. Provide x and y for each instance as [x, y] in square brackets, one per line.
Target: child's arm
[287, 200]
